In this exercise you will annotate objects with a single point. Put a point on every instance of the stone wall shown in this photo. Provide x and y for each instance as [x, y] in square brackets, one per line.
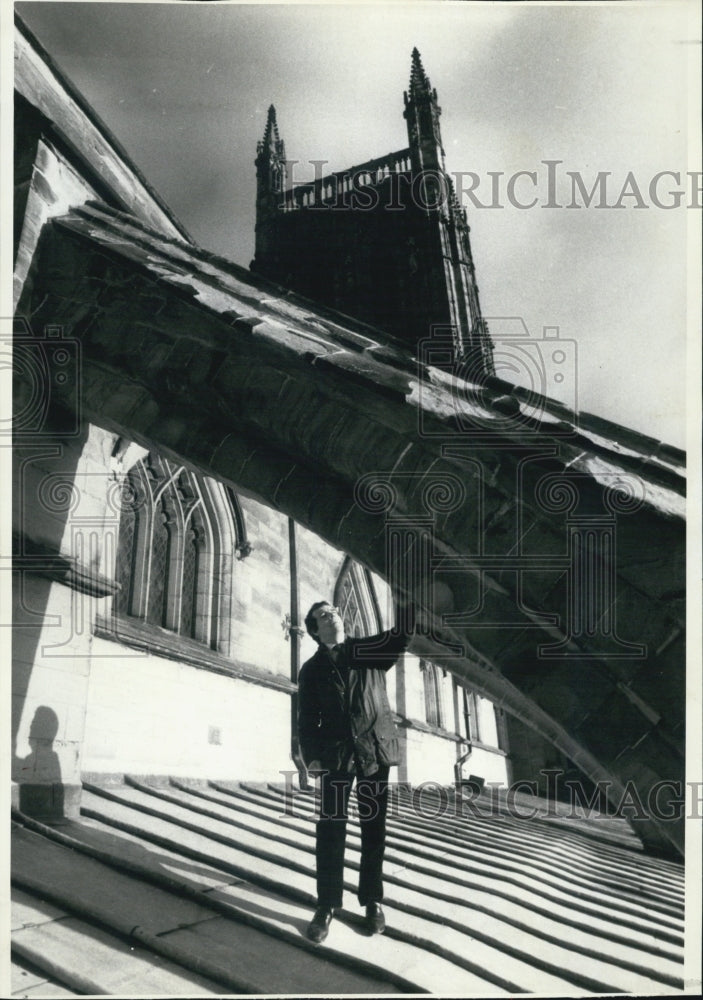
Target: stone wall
[429, 758]
[61, 513]
[148, 715]
[50, 676]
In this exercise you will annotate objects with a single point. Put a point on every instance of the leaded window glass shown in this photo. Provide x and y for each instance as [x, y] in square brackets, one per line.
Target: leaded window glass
[179, 535]
[431, 679]
[355, 597]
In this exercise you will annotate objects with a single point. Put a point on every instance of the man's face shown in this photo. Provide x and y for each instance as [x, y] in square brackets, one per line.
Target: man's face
[330, 627]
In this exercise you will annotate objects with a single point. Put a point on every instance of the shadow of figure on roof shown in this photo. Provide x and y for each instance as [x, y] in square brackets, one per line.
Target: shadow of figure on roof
[39, 773]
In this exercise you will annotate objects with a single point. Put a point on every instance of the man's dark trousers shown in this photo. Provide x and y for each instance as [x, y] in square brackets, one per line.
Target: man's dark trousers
[372, 801]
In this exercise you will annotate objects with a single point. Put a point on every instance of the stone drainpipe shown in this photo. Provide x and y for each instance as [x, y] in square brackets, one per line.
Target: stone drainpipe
[460, 761]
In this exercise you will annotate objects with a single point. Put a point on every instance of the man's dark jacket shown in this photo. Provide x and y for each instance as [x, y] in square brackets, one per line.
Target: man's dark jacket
[343, 709]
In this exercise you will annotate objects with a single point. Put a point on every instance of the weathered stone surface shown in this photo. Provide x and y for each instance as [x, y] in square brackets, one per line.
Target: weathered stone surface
[661, 684]
[301, 418]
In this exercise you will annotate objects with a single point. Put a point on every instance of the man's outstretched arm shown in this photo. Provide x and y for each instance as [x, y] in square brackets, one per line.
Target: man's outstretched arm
[385, 648]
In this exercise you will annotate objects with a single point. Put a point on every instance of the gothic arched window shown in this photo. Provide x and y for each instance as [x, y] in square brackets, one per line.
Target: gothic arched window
[432, 684]
[178, 535]
[355, 596]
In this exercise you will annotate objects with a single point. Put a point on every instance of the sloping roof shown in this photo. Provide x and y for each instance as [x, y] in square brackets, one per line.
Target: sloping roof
[217, 880]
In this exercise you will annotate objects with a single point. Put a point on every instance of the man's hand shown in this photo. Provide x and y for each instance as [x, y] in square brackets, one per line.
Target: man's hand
[314, 768]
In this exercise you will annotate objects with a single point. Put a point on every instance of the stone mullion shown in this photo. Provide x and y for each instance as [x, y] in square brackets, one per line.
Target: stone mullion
[475, 715]
[196, 531]
[437, 694]
[216, 566]
[155, 473]
[154, 595]
[172, 588]
[204, 577]
[144, 528]
[225, 542]
[188, 581]
[424, 668]
[444, 712]
[455, 710]
[124, 557]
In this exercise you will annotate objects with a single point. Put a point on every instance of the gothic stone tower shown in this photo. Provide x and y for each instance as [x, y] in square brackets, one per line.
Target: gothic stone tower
[385, 241]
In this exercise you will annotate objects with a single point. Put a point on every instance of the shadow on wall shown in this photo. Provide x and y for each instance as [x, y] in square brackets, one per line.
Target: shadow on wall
[39, 773]
[48, 444]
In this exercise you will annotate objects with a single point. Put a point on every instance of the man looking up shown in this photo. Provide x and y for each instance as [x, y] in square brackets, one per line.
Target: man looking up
[346, 730]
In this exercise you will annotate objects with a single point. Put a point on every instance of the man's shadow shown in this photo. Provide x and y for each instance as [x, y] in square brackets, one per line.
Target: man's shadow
[39, 773]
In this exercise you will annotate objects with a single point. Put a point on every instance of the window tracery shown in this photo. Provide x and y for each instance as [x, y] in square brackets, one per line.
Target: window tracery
[355, 596]
[179, 533]
[432, 684]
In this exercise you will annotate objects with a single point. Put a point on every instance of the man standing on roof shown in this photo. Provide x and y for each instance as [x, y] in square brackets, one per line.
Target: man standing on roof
[346, 730]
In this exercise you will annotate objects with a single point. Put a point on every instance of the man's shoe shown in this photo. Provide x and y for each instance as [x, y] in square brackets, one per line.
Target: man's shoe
[319, 926]
[375, 921]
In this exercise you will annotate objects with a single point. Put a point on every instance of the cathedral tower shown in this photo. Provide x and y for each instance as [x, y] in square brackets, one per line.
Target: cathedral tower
[385, 241]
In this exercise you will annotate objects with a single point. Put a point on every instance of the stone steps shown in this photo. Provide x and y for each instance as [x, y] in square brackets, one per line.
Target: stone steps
[240, 956]
[76, 954]
[636, 949]
[475, 905]
[243, 951]
[289, 875]
[616, 965]
[643, 936]
[281, 911]
[26, 980]
[634, 897]
[25, 983]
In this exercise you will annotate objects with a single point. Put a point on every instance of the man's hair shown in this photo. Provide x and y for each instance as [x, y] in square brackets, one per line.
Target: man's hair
[310, 621]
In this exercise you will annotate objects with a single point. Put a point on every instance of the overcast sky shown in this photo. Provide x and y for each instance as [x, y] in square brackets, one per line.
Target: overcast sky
[185, 88]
